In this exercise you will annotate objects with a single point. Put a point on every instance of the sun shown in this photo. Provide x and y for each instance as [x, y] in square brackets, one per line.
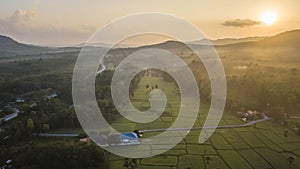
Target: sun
[268, 17]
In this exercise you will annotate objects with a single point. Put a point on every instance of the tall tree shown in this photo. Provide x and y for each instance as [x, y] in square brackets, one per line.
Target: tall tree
[30, 126]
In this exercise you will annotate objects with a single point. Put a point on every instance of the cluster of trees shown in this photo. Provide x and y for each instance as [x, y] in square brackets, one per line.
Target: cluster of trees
[130, 164]
[277, 98]
[152, 87]
[104, 98]
[56, 154]
[33, 75]
[55, 113]
[58, 81]
[17, 142]
[135, 82]
[49, 114]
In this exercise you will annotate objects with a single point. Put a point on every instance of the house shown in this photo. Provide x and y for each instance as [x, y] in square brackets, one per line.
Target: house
[71, 106]
[130, 138]
[118, 139]
[33, 105]
[249, 115]
[52, 96]
[8, 161]
[8, 165]
[20, 100]
[9, 116]
[87, 139]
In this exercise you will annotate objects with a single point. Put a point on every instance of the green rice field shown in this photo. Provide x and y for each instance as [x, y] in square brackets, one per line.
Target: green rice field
[259, 146]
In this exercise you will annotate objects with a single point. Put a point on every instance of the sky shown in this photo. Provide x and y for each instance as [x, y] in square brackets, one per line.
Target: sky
[69, 22]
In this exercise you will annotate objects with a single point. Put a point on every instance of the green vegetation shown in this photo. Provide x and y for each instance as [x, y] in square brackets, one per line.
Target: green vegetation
[55, 154]
[258, 146]
[36, 80]
[258, 78]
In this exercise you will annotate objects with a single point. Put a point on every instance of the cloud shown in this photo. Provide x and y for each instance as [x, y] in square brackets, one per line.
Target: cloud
[24, 25]
[241, 23]
[22, 17]
[18, 22]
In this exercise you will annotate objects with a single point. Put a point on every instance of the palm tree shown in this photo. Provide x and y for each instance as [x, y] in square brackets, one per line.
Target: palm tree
[126, 164]
[133, 164]
[207, 160]
[286, 133]
[292, 99]
[30, 126]
[291, 160]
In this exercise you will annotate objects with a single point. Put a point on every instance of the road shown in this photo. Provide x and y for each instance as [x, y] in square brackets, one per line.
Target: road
[265, 118]
[56, 135]
[102, 68]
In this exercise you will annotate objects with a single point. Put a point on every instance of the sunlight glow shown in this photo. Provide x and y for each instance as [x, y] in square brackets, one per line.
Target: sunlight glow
[268, 17]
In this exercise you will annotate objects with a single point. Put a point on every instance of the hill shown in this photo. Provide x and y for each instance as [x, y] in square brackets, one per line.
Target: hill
[226, 41]
[9, 47]
[285, 39]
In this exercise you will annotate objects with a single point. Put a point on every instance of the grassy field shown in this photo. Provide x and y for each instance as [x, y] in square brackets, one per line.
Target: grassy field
[259, 146]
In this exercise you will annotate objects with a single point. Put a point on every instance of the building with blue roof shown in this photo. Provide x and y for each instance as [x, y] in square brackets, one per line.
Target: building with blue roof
[129, 138]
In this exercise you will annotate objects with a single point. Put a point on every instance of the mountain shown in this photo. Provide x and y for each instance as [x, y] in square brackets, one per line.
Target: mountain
[105, 45]
[290, 39]
[226, 41]
[7, 41]
[284, 39]
[10, 47]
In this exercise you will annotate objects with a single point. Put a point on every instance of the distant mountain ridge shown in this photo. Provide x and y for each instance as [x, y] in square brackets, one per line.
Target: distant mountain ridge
[5, 41]
[10, 48]
[283, 39]
[288, 38]
[226, 41]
